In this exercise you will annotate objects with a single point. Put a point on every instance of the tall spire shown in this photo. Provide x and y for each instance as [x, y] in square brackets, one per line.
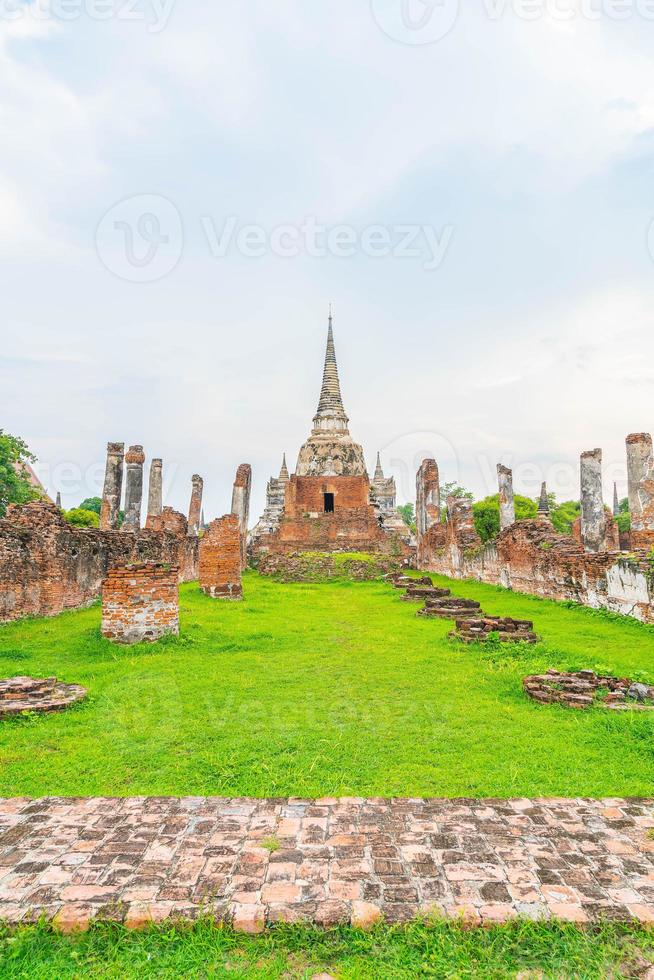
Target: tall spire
[331, 403]
[543, 503]
[379, 473]
[616, 500]
[283, 473]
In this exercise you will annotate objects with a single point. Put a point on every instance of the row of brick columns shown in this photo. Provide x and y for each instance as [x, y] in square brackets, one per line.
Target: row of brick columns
[131, 464]
[597, 530]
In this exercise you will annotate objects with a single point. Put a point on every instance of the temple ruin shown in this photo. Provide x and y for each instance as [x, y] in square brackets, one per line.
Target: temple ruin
[329, 502]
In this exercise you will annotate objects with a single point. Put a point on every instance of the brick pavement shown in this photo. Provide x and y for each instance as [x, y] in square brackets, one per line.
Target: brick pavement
[254, 862]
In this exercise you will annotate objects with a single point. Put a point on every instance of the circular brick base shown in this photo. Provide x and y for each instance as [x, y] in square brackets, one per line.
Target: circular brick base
[18, 694]
[583, 690]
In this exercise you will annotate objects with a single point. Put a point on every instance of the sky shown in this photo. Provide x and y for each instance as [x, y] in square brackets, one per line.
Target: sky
[186, 186]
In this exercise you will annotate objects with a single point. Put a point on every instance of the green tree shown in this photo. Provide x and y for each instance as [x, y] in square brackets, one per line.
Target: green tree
[15, 486]
[406, 513]
[92, 503]
[79, 517]
[486, 514]
[623, 518]
[564, 515]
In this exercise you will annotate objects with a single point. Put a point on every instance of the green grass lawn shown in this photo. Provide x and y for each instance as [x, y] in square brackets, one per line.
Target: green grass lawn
[334, 689]
[532, 951]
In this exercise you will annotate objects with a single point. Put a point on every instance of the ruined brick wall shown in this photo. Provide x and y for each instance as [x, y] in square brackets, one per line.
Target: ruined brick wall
[140, 602]
[220, 559]
[47, 566]
[353, 526]
[531, 557]
[317, 567]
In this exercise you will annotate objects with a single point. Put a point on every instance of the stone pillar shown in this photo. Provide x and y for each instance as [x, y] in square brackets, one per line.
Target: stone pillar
[134, 460]
[58, 499]
[616, 500]
[640, 475]
[507, 502]
[241, 505]
[155, 489]
[428, 496]
[220, 559]
[140, 602]
[113, 486]
[195, 507]
[593, 518]
[543, 503]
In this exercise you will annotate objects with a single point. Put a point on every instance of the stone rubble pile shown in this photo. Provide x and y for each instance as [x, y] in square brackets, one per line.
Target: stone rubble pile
[450, 607]
[18, 694]
[507, 630]
[584, 688]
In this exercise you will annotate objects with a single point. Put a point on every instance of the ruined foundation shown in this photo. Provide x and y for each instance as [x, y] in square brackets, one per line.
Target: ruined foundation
[220, 559]
[19, 694]
[140, 603]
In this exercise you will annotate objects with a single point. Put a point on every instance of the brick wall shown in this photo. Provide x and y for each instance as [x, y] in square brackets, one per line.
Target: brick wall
[220, 559]
[140, 602]
[46, 565]
[531, 557]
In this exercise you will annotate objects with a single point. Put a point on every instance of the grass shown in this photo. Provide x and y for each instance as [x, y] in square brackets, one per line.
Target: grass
[333, 689]
[527, 949]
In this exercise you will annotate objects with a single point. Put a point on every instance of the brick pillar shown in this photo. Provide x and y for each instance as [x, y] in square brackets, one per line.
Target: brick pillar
[113, 486]
[140, 602]
[241, 505]
[428, 501]
[134, 460]
[640, 474]
[195, 507]
[543, 503]
[58, 499]
[155, 489]
[507, 501]
[220, 559]
[593, 517]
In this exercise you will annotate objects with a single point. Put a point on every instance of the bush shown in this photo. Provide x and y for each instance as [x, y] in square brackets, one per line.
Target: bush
[91, 503]
[486, 514]
[564, 515]
[79, 517]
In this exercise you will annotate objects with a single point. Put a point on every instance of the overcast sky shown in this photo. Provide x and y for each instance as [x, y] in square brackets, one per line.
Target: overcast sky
[185, 186]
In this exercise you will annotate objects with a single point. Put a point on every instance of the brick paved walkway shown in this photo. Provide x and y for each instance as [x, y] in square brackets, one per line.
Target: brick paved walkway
[336, 860]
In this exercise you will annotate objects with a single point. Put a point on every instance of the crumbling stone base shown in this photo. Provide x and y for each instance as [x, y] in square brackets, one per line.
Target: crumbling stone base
[585, 688]
[451, 608]
[316, 566]
[421, 593]
[18, 694]
[505, 629]
[140, 602]
[220, 560]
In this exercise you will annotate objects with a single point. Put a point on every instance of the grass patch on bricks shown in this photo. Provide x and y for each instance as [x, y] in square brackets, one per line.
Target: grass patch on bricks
[323, 690]
[438, 950]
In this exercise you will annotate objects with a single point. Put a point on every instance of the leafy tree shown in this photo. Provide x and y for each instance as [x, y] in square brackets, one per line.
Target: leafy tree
[564, 515]
[92, 503]
[406, 513]
[15, 486]
[486, 514]
[623, 517]
[79, 517]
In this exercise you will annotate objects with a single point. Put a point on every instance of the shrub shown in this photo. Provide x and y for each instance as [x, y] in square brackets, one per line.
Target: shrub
[486, 514]
[79, 517]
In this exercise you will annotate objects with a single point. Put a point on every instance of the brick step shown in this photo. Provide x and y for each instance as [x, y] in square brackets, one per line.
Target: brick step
[507, 630]
[451, 608]
[29, 694]
[25, 687]
[423, 592]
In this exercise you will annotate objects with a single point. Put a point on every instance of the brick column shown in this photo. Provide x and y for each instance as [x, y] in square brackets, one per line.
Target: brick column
[113, 486]
[241, 505]
[155, 489]
[195, 507]
[428, 501]
[640, 475]
[220, 559]
[507, 501]
[134, 460]
[140, 602]
[593, 517]
[543, 504]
